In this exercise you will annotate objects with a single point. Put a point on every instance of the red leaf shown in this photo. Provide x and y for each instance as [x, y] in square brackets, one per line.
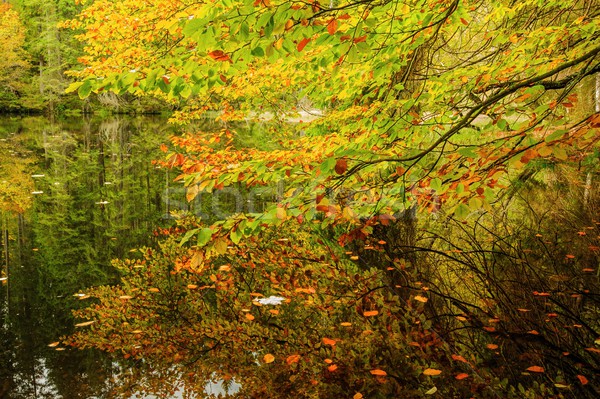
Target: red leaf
[292, 359]
[360, 39]
[332, 26]
[461, 376]
[341, 166]
[329, 341]
[303, 44]
[582, 379]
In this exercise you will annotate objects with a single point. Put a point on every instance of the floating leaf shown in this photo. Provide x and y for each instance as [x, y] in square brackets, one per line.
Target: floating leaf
[535, 369]
[370, 313]
[357, 395]
[332, 368]
[582, 379]
[421, 298]
[54, 344]
[492, 346]
[461, 376]
[268, 358]
[432, 372]
[378, 372]
[431, 391]
[329, 341]
[292, 359]
[85, 323]
[249, 317]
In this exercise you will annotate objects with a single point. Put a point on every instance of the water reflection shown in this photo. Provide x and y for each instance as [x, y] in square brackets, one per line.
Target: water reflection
[97, 195]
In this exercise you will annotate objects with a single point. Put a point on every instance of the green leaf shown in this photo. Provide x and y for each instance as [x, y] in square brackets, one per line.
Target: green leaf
[187, 236]
[84, 90]
[204, 236]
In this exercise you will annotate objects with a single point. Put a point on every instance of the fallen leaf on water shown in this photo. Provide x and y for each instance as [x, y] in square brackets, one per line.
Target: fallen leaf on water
[268, 358]
[292, 359]
[432, 372]
[378, 372]
[461, 376]
[85, 323]
[370, 313]
[582, 379]
[535, 369]
[421, 298]
[54, 344]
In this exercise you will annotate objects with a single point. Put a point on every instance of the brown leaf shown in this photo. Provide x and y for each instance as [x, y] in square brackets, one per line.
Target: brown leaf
[341, 166]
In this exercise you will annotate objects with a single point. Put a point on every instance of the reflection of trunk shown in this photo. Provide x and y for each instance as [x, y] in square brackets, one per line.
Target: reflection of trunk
[6, 259]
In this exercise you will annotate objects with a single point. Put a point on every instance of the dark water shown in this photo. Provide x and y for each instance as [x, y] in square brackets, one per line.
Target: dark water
[93, 194]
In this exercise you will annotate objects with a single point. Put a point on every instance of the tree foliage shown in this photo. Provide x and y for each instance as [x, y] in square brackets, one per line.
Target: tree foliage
[436, 106]
[13, 59]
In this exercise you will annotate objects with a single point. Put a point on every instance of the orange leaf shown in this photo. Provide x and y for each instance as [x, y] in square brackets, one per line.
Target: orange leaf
[492, 346]
[360, 39]
[269, 358]
[332, 26]
[370, 313]
[303, 44]
[421, 298]
[292, 359]
[357, 395]
[582, 379]
[378, 372]
[432, 372]
[249, 316]
[341, 166]
[535, 369]
[461, 376]
[329, 341]
[459, 358]
[218, 55]
[332, 368]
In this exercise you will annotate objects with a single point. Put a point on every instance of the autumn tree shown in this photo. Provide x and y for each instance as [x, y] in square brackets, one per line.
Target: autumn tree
[13, 58]
[426, 106]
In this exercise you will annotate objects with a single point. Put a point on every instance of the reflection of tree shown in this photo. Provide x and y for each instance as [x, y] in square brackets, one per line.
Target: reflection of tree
[66, 241]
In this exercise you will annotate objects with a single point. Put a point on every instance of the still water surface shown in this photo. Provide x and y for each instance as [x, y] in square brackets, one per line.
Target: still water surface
[93, 195]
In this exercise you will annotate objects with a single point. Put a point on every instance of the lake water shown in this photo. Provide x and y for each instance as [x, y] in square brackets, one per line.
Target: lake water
[92, 195]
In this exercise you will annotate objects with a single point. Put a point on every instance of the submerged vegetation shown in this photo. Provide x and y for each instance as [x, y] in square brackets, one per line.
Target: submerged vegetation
[428, 222]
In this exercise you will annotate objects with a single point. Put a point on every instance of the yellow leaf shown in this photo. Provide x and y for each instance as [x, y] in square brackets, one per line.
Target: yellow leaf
[269, 358]
[86, 323]
[421, 298]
